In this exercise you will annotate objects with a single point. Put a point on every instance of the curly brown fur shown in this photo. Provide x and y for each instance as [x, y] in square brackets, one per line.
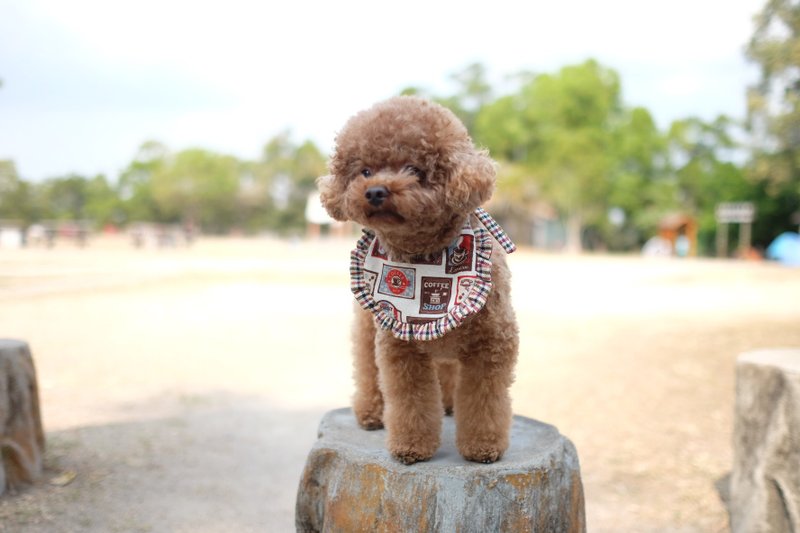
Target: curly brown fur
[420, 160]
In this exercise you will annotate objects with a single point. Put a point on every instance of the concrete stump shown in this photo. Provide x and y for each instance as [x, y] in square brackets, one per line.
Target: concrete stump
[21, 434]
[352, 484]
[765, 482]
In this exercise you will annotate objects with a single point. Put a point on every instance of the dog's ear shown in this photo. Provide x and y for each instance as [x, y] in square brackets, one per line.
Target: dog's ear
[472, 175]
[331, 194]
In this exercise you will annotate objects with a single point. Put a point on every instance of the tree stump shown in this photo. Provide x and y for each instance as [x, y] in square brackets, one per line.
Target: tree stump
[765, 482]
[21, 433]
[352, 484]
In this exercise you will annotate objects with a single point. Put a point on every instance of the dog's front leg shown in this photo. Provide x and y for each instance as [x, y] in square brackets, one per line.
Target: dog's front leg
[412, 399]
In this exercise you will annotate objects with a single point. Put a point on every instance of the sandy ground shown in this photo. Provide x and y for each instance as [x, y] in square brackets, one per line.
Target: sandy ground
[183, 387]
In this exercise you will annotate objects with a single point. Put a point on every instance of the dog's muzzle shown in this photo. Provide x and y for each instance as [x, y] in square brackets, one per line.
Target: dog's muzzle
[376, 195]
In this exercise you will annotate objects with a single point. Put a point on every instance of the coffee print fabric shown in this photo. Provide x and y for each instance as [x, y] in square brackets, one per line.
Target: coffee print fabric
[425, 299]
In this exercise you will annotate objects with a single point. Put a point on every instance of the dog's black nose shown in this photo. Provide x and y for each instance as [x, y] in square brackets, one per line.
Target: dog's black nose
[376, 195]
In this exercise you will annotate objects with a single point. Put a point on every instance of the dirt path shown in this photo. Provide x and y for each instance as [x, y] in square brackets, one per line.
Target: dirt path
[183, 387]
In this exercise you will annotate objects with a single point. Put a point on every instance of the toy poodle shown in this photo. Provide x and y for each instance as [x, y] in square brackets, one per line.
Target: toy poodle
[434, 331]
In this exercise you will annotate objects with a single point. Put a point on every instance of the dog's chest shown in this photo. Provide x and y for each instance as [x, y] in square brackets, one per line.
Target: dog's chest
[447, 347]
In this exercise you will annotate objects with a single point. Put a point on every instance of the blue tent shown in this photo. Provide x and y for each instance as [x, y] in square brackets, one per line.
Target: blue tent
[785, 249]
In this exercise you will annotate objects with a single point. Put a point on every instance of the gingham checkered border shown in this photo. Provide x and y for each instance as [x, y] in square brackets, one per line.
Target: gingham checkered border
[472, 304]
[495, 229]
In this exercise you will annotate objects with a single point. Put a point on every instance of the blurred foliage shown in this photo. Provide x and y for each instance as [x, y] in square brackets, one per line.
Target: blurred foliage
[570, 152]
[16, 202]
[135, 184]
[568, 141]
[195, 187]
[561, 128]
[285, 175]
[773, 115]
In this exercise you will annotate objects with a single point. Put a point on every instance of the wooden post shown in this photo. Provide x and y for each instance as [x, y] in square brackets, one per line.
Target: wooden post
[745, 238]
[722, 239]
[765, 482]
[351, 483]
[21, 433]
[734, 213]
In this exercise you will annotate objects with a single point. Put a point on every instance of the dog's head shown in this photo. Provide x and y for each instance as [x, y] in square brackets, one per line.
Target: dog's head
[403, 165]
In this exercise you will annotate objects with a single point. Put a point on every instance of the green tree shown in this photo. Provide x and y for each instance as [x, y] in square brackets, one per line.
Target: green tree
[103, 205]
[273, 175]
[196, 186]
[65, 197]
[638, 181]
[77, 198]
[560, 127]
[16, 196]
[774, 112]
[219, 192]
[472, 94]
[134, 187]
[286, 174]
[704, 174]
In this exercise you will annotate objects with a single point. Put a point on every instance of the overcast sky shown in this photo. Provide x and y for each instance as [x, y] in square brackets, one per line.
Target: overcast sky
[85, 82]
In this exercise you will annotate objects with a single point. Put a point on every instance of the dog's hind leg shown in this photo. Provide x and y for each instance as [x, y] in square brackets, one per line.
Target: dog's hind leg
[482, 402]
[367, 400]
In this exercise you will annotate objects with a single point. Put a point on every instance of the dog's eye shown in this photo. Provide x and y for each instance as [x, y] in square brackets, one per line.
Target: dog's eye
[366, 172]
[414, 171]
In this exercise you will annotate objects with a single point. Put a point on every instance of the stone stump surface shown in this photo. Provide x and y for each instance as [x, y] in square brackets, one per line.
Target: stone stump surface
[352, 484]
[21, 433]
[765, 482]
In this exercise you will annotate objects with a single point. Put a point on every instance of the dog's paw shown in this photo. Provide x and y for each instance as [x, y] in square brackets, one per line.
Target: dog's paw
[371, 426]
[410, 451]
[483, 450]
[368, 413]
[485, 456]
[369, 422]
[409, 457]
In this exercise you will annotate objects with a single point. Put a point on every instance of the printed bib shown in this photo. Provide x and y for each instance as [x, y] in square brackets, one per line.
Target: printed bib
[430, 296]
